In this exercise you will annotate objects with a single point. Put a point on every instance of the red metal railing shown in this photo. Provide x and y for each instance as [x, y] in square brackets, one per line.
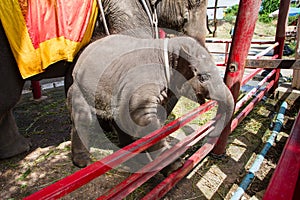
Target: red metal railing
[144, 174]
[233, 77]
[227, 42]
[285, 181]
[252, 92]
[161, 189]
[83, 176]
[87, 174]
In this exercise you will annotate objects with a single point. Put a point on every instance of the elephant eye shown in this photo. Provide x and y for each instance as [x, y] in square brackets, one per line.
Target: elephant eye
[203, 77]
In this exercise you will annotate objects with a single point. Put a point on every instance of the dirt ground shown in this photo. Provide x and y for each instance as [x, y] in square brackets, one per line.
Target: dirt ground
[47, 125]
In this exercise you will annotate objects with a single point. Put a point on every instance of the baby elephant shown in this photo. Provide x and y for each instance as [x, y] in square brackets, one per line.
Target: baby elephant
[129, 86]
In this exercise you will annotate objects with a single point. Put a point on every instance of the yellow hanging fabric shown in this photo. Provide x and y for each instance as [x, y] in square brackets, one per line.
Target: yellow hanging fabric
[42, 32]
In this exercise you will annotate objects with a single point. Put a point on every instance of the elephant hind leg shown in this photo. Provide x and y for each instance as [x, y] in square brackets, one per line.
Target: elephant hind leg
[124, 138]
[11, 142]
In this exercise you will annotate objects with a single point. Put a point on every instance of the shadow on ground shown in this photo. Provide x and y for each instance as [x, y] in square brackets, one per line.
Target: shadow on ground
[47, 125]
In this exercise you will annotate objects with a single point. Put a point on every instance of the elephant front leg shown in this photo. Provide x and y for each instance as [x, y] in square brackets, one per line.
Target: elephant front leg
[80, 154]
[11, 142]
[81, 124]
[148, 120]
[11, 82]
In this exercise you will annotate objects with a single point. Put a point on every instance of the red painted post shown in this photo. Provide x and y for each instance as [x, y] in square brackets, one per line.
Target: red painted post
[284, 183]
[36, 90]
[162, 33]
[243, 32]
[280, 35]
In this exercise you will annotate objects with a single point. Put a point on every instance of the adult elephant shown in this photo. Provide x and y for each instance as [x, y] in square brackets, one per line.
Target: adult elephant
[128, 17]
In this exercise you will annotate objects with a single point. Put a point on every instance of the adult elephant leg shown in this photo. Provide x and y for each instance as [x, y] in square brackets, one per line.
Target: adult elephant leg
[11, 142]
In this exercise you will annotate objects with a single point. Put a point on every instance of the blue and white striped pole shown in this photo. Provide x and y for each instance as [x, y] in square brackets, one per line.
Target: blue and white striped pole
[259, 159]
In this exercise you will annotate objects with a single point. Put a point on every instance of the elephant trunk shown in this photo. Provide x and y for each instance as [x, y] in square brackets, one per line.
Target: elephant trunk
[224, 112]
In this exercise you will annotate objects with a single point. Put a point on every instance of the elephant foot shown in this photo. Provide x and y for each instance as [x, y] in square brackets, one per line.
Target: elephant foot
[172, 167]
[81, 159]
[18, 146]
[11, 142]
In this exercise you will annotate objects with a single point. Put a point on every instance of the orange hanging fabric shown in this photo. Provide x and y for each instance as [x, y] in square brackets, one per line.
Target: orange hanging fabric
[41, 32]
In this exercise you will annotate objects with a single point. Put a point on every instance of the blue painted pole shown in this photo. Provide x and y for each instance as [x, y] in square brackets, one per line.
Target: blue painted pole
[259, 159]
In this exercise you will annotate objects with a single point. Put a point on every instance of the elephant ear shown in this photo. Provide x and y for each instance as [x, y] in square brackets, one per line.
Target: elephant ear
[186, 63]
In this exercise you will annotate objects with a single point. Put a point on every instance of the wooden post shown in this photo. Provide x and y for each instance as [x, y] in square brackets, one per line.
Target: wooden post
[296, 72]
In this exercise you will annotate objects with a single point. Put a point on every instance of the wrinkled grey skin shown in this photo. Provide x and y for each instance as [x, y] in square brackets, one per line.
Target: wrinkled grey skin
[123, 16]
[186, 16]
[127, 88]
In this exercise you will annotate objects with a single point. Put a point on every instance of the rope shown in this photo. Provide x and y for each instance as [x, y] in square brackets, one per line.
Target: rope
[155, 22]
[147, 11]
[153, 19]
[166, 56]
[103, 17]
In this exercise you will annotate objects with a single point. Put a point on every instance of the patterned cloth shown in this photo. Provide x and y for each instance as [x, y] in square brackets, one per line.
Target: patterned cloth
[42, 32]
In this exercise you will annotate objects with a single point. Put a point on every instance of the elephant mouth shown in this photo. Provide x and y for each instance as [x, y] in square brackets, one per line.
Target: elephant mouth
[201, 99]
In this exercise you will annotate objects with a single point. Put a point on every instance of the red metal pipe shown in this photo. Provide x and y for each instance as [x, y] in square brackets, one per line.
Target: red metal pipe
[221, 64]
[242, 102]
[285, 179]
[250, 107]
[265, 51]
[36, 90]
[83, 176]
[138, 178]
[243, 32]
[244, 29]
[250, 76]
[161, 189]
[216, 40]
[257, 56]
[275, 56]
[280, 35]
